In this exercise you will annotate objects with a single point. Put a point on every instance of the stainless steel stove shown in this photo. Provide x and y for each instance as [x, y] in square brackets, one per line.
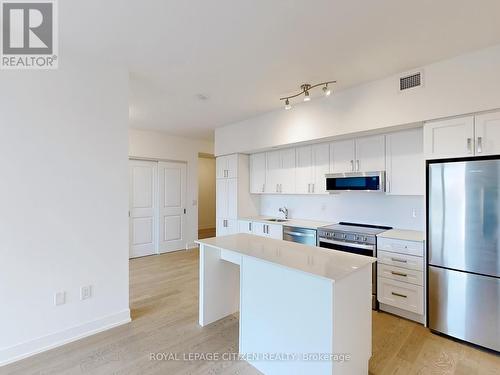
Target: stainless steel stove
[354, 238]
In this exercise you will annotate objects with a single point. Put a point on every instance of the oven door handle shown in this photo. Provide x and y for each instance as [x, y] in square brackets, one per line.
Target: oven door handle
[348, 244]
[299, 234]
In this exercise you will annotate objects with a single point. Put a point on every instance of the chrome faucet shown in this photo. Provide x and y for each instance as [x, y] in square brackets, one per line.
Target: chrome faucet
[284, 210]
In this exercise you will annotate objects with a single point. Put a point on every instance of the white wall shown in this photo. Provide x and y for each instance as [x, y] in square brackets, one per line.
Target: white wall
[358, 207]
[161, 146]
[206, 194]
[465, 84]
[63, 204]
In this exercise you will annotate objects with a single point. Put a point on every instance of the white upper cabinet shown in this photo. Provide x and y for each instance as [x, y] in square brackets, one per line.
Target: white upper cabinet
[370, 154]
[304, 170]
[405, 166]
[488, 134]
[365, 154]
[227, 166]
[280, 171]
[342, 156]
[273, 172]
[287, 184]
[257, 173]
[451, 138]
[321, 167]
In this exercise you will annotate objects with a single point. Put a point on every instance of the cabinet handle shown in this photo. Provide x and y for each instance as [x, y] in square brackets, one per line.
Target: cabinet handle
[352, 165]
[469, 145]
[277, 188]
[399, 274]
[399, 260]
[308, 188]
[313, 185]
[263, 187]
[399, 295]
[479, 145]
[357, 165]
[250, 227]
[281, 189]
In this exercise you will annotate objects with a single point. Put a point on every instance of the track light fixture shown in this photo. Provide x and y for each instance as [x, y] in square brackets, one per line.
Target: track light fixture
[305, 88]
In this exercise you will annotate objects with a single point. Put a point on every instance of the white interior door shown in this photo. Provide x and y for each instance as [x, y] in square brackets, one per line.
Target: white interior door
[143, 208]
[172, 191]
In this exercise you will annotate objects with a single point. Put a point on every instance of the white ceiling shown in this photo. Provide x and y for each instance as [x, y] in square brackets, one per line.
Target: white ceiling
[244, 55]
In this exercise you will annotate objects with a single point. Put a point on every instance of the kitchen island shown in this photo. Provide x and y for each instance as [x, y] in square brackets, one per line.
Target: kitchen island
[302, 309]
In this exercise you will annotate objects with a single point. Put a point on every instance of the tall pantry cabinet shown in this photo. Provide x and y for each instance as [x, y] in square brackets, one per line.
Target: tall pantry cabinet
[233, 194]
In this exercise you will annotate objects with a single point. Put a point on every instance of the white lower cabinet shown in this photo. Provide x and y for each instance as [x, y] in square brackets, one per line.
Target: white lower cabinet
[400, 277]
[226, 227]
[401, 295]
[245, 226]
[261, 229]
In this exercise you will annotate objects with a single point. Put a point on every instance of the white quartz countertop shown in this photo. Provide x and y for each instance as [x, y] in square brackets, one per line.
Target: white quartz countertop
[309, 224]
[331, 264]
[403, 234]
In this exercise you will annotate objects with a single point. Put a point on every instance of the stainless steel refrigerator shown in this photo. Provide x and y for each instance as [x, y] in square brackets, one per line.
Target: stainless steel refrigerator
[463, 204]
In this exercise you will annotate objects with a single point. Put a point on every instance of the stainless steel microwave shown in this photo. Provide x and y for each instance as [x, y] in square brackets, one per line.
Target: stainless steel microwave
[356, 181]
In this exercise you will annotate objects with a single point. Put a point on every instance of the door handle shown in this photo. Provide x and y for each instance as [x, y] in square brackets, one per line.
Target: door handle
[469, 145]
[479, 145]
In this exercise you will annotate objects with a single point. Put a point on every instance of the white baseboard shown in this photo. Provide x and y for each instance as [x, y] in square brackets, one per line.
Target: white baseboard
[41, 344]
[403, 313]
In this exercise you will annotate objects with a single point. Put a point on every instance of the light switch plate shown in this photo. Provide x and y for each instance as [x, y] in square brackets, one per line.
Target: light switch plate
[85, 292]
[59, 298]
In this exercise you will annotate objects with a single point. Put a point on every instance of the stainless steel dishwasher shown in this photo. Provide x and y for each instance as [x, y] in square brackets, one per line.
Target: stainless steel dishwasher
[305, 236]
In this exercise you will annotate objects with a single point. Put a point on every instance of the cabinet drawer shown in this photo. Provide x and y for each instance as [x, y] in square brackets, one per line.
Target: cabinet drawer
[401, 246]
[400, 274]
[401, 260]
[402, 295]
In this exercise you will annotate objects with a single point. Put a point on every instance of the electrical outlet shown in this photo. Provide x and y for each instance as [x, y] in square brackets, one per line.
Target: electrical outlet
[85, 292]
[60, 298]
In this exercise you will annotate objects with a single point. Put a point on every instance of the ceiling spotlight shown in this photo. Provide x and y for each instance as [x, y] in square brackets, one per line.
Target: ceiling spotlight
[326, 90]
[305, 88]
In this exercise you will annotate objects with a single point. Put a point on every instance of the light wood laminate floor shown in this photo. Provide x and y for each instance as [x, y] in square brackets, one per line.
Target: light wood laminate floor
[164, 303]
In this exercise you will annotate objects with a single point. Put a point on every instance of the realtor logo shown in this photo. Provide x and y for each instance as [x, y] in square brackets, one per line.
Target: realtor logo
[29, 34]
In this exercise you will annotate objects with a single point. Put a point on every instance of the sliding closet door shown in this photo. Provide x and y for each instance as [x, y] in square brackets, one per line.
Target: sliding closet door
[172, 188]
[143, 223]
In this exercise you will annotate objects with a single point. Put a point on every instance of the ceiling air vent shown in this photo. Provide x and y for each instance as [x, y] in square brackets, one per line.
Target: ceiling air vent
[410, 81]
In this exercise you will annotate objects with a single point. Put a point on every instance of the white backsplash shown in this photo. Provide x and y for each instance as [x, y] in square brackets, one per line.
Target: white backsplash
[359, 207]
